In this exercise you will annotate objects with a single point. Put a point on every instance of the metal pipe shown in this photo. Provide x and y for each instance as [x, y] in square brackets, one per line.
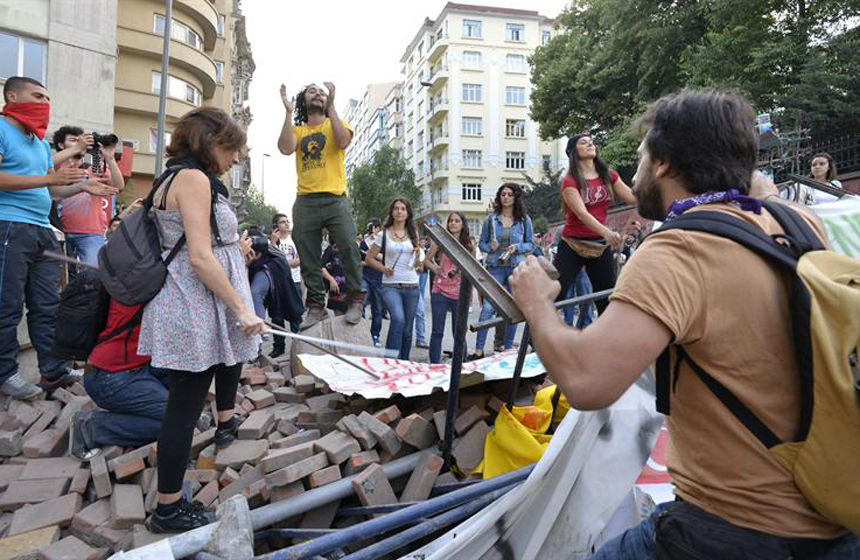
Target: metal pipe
[518, 368]
[558, 305]
[192, 542]
[165, 83]
[412, 534]
[396, 519]
[462, 317]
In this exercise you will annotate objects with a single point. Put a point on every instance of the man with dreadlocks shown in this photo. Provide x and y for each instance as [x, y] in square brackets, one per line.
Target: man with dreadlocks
[321, 137]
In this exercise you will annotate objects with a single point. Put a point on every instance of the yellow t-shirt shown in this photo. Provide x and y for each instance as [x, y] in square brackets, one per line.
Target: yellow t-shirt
[319, 160]
[730, 310]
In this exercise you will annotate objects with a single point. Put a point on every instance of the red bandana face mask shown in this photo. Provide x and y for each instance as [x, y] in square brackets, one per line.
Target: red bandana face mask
[34, 116]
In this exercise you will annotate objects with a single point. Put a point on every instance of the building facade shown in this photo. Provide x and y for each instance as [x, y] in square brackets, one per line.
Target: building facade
[465, 97]
[210, 64]
[368, 117]
[68, 46]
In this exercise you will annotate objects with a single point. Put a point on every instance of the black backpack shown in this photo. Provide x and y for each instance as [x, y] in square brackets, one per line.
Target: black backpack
[131, 268]
[81, 317]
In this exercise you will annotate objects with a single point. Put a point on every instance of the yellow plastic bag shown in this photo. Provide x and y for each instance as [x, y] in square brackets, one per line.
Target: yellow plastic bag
[519, 436]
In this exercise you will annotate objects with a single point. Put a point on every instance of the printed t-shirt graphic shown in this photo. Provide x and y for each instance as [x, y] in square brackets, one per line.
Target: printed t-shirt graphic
[319, 161]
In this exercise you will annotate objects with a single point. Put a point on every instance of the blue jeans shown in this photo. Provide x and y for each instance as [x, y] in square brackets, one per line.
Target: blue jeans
[582, 287]
[420, 316]
[440, 306]
[372, 288]
[26, 275]
[501, 274]
[85, 246]
[683, 531]
[134, 403]
[401, 304]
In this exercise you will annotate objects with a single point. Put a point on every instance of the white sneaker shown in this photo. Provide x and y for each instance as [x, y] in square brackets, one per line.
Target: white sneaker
[19, 388]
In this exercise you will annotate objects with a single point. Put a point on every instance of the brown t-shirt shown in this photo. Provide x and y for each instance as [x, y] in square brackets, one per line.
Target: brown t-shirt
[729, 309]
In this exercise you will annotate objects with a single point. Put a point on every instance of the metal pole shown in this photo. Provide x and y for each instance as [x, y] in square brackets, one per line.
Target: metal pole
[518, 368]
[461, 318]
[558, 305]
[263, 175]
[162, 94]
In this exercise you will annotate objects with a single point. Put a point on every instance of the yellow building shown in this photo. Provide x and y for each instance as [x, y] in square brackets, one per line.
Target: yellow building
[210, 64]
[465, 107]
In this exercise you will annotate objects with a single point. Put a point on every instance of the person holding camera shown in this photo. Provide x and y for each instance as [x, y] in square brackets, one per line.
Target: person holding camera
[85, 217]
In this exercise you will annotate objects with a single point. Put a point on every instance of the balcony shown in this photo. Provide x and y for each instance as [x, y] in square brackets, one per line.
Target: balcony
[439, 75]
[204, 14]
[439, 108]
[181, 55]
[439, 46]
[438, 142]
[145, 103]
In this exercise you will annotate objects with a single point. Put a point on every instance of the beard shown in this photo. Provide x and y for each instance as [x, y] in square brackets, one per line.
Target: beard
[649, 199]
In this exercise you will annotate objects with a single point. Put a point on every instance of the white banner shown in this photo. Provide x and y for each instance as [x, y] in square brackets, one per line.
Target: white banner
[842, 221]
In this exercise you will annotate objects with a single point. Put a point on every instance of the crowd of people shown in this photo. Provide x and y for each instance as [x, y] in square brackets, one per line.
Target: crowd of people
[154, 363]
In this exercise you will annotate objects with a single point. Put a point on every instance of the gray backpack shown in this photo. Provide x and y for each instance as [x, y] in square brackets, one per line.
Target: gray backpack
[131, 268]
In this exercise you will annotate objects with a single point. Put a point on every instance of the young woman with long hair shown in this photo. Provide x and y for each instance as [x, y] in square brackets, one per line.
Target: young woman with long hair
[446, 283]
[823, 170]
[507, 238]
[202, 323]
[587, 190]
[401, 258]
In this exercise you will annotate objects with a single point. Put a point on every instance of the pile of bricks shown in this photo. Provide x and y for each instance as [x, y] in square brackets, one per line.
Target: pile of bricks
[296, 435]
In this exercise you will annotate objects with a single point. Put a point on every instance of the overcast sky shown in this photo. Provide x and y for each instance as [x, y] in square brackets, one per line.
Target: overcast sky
[348, 42]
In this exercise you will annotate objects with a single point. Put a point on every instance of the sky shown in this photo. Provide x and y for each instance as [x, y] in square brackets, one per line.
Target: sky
[350, 43]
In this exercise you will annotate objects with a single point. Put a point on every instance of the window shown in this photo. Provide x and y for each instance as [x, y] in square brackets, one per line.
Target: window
[515, 95]
[398, 105]
[222, 20]
[472, 192]
[515, 128]
[472, 92]
[545, 37]
[398, 130]
[153, 139]
[21, 57]
[472, 28]
[177, 89]
[515, 62]
[515, 160]
[420, 50]
[471, 60]
[515, 32]
[472, 126]
[219, 71]
[472, 159]
[180, 32]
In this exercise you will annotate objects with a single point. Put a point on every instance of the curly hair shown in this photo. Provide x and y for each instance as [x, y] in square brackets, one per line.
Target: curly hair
[300, 116]
[520, 211]
[410, 224]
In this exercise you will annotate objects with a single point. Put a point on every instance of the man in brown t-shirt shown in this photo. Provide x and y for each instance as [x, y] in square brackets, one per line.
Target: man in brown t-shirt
[729, 309]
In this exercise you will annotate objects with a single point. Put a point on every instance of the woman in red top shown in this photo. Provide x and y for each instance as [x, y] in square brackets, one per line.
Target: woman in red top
[587, 191]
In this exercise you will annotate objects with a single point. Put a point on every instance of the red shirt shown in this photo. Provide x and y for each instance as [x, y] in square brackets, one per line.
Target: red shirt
[120, 352]
[85, 212]
[596, 202]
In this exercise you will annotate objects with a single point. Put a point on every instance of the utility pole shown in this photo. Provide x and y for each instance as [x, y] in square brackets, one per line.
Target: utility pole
[162, 93]
[264, 176]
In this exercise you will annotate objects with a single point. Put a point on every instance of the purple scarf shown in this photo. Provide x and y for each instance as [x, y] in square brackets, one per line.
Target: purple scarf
[732, 195]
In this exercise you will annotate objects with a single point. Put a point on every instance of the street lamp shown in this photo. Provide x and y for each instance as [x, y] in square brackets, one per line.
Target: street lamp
[264, 175]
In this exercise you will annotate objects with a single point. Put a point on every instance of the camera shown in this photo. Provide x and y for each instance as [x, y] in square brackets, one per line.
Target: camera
[94, 150]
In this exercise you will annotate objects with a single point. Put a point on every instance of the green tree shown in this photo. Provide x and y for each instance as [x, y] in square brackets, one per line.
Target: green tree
[542, 196]
[373, 185]
[258, 212]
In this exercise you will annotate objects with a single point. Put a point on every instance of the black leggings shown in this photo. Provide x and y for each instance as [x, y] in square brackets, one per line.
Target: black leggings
[600, 270]
[184, 405]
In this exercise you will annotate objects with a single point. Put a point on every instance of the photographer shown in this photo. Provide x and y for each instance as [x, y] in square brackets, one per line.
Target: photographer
[85, 217]
[272, 286]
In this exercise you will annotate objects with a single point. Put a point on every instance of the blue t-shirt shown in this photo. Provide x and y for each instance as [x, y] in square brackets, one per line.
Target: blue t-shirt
[24, 154]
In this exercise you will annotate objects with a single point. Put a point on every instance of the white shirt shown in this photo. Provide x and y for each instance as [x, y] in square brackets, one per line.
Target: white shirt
[289, 248]
[398, 255]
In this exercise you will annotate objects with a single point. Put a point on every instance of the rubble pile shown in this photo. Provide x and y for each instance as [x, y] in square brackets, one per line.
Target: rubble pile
[296, 435]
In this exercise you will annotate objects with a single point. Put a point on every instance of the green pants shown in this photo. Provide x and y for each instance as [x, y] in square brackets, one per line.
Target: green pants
[312, 213]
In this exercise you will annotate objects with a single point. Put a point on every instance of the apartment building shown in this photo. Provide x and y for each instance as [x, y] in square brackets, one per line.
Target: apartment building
[465, 102]
[210, 64]
[368, 117]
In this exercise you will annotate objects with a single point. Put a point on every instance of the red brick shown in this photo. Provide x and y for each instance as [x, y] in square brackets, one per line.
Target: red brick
[303, 436]
[128, 469]
[324, 476]
[57, 467]
[288, 395]
[372, 487]
[50, 443]
[416, 431]
[261, 398]
[297, 471]
[80, 481]
[206, 459]
[422, 478]
[101, 476]
[203, 476]
[27, 544]
[439, 420]
[257, 493]
[116, 539]
[287, 428]
[9, 473]
[246, 406]
[71, 548]
[321, 517]
[359, 431]
[337, 446]
[281, 493]
[360, 461]
[241, 451]
[126, 506]
[139, 453]
[468, 419]
[247, 478]
[388, 440]
[469, 449]
[24, 414]
[495, 404]
[258, 378]
[276, 378]
[331, 401]
[389, 415]
[304, 383]
[228, 477]
[85, 521]
[200, 441]
[58, 511]
[11, 443]
[208, 493]
[41, 424]
[285, 457]
[257, 425]
[22, 492]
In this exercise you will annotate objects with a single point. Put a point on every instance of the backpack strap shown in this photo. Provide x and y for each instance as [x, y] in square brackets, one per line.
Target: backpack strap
[556, 397]
[753, 238]
[128, 326]
[383, 246]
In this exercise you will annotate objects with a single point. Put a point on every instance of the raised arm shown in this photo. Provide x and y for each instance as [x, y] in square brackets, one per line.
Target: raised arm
[287, 139]
[342, 135]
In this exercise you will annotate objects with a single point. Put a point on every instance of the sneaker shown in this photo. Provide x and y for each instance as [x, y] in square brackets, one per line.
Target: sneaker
[18, 388]
[353, 313]
[225, 433]
[376, 342]
[78, 446]
[276, 353]
[315, 314]
[422, 344]
[65, 379]
[474, 356]
[185, 517]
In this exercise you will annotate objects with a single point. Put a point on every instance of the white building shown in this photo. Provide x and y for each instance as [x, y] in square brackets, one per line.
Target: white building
[368, 119]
